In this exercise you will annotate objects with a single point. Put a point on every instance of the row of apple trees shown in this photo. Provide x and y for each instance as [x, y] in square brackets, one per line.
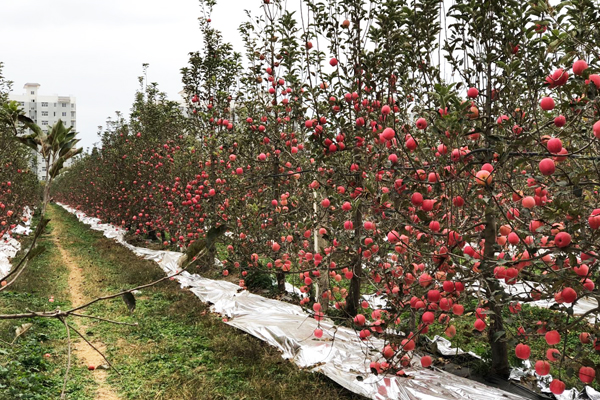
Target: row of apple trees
[18, 182]
[446, 159]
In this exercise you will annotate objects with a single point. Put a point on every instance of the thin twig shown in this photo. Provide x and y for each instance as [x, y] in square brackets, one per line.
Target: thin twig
[98, 351]
[66, 378]
[135, 288]
[16, 276]
[104, 319]
[61, 314]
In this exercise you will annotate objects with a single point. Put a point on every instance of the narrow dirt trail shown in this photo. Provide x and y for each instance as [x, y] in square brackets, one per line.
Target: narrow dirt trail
[83, 352]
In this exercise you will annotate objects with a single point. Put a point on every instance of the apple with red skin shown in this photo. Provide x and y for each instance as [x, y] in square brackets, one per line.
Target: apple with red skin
[585, 338]
[560, 121]
[479, 324]
[557, 386]
[547, 103]
[472, 92]
[388, 133]
[483, 178]
[542, 367]
[569, 295]
[594, 219]
[528, 202]
[554, 145]
[562, 239]
[596, 129]
[547, 166]
[552, 337]
[587, 375]
[579, 66]
[426, 361]
[557, 78]
[408, 345]
[522, 351]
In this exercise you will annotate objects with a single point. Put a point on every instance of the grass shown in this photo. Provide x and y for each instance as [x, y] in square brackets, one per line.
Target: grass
[24, 371]
[179, 350]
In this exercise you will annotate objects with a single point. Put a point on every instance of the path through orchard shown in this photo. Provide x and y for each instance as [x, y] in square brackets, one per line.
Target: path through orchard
[82, 351]
[179, 350]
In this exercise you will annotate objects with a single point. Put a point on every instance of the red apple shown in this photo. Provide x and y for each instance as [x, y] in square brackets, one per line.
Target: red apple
[547, 166]
[579, 66]
[547, 103]
[557, 386]
[522, 351]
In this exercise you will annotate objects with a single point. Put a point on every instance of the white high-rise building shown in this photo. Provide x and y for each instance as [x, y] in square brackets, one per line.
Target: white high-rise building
[46, 111]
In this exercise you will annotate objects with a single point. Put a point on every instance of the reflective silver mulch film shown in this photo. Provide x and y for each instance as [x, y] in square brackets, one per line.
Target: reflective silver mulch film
[9, 246]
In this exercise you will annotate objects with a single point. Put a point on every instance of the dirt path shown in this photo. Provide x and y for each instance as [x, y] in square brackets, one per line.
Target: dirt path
[85, 355]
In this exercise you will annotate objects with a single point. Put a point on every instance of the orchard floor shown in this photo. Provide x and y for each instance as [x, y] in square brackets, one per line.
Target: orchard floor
[179, 350]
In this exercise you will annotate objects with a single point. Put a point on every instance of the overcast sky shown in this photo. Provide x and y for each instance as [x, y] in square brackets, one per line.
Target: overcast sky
[94, 50]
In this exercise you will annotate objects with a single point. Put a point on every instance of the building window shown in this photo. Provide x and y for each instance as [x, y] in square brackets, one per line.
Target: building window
[64, 114]
[73, 123]
[73, 105]
[64, 104]
[72, 114]
[44, 113]
[44, 104]
[54, 104]
[44, 122]
[22, 103]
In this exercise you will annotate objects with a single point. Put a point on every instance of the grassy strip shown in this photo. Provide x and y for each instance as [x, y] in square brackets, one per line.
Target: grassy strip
[180, 350]
[24, 371]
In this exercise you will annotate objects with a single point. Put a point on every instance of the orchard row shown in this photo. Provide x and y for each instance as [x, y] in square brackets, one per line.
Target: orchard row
[363, 169]
[18, 182]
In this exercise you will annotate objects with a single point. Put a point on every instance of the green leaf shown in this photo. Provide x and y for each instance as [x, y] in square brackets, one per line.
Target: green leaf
[36, 252]
[56, 167]
[29, 142]
[41, 226]
[498, 335]
[25, 119]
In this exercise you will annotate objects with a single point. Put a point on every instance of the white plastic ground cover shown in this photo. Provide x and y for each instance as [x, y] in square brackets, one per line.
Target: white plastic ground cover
[9, 246]
[522, 290]
[543, 383]
[340, 354]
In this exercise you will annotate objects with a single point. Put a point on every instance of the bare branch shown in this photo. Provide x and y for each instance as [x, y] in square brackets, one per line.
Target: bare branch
[97, 351]
[66, 378]
[104, 319]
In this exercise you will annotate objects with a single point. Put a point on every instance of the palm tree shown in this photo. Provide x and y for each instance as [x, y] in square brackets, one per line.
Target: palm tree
[55, 147]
